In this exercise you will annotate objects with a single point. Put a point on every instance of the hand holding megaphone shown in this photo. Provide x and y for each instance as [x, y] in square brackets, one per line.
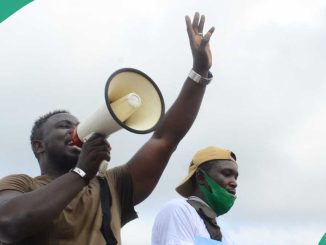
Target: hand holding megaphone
[132, 101]
[96, 150]
[102, 123]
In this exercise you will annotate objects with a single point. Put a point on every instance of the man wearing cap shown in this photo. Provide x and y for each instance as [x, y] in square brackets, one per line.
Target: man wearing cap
[209, 189]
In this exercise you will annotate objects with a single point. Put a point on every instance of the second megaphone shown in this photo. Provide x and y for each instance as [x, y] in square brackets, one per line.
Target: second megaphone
[132, 101]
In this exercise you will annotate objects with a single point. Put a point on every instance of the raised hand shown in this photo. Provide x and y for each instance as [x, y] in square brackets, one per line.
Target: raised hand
[199, 43]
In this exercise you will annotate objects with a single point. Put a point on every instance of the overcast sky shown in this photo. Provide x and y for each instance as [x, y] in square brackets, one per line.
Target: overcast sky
[266, 103]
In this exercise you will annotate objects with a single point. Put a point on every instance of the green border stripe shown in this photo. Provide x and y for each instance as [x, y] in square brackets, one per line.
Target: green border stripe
[9, 7]
[323, 240]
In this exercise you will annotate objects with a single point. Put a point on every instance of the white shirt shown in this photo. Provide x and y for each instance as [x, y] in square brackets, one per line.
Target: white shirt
[178, 223]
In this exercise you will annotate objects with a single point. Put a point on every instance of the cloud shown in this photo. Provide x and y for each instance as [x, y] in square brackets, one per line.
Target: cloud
[266, 102]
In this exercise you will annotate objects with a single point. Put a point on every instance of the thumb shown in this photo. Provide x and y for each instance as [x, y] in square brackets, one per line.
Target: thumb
[206, 38]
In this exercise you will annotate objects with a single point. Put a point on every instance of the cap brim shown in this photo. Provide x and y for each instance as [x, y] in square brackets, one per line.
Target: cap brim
[185, 189]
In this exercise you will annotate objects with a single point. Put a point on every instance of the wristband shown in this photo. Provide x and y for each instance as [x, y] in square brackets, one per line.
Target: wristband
[197, 78]
[81, 173]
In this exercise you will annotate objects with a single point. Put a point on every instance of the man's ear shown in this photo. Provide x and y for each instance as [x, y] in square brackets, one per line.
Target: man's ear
[200, 178]
[37, 146]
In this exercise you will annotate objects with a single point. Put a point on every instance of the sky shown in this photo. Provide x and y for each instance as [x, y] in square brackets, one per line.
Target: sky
[266, 103]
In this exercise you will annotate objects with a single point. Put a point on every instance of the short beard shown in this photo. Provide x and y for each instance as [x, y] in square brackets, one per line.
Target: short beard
[63, 162]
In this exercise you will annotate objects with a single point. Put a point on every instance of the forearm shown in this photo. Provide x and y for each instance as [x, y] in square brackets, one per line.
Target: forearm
[31, 212]
[182, 113]
[149, 162]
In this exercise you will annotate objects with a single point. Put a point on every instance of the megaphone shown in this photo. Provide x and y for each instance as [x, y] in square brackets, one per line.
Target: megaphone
[132, 101]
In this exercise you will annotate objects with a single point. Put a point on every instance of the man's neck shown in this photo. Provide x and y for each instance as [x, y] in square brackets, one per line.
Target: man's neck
[52, 168]
[197, 193]
[52, 172]
[198, 200]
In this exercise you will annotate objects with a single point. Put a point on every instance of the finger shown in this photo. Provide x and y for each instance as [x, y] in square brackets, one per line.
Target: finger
[211, 30]
[94, 136]
[201, 24]
[103, 155]
[107, 144]
[195, 22]
[98, 159]
[108, 156]
[208, 35]
[98, 141]
[189, 27]
[108, 148]
[206, 39]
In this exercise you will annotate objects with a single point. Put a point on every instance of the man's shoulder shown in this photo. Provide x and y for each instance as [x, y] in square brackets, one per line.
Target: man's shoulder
[17, 177]
[117, 171]
[176, 223]
[177, 205]
[19, 182]
[176, 202]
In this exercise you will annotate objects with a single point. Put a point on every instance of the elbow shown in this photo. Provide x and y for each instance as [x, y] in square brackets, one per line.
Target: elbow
[168, 141]
[9, 233]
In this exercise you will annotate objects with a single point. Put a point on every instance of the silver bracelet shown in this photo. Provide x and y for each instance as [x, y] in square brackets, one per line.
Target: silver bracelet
[81, 173]
[197, 78]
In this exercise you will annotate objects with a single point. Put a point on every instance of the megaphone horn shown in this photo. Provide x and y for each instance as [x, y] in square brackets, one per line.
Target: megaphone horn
[132, 101]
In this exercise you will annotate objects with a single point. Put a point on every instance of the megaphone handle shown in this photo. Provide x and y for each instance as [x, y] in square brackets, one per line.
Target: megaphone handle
[102, 169]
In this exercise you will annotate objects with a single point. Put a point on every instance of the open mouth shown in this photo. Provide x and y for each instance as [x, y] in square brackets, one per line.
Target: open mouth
[72, 145]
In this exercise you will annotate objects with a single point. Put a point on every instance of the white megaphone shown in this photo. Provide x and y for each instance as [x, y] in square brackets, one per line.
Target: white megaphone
[132, 101]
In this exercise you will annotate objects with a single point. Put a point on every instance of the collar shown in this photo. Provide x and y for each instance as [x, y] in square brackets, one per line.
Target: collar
[198, 200]
[203, 207]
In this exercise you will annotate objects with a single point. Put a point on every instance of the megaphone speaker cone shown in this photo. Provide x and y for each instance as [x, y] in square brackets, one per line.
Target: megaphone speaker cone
[145, 118]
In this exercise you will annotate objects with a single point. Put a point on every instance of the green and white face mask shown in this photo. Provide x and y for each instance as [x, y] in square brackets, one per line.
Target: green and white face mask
[219, 199]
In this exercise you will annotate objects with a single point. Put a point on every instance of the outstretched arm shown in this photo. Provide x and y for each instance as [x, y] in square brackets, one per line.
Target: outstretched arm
[148, 163]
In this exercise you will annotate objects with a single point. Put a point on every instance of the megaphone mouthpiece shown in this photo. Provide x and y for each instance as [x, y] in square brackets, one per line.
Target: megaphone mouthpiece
[75, 139]
[124, 107]
[134, 100]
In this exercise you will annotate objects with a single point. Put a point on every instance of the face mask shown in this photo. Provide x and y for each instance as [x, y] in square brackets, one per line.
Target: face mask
[219, 199]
